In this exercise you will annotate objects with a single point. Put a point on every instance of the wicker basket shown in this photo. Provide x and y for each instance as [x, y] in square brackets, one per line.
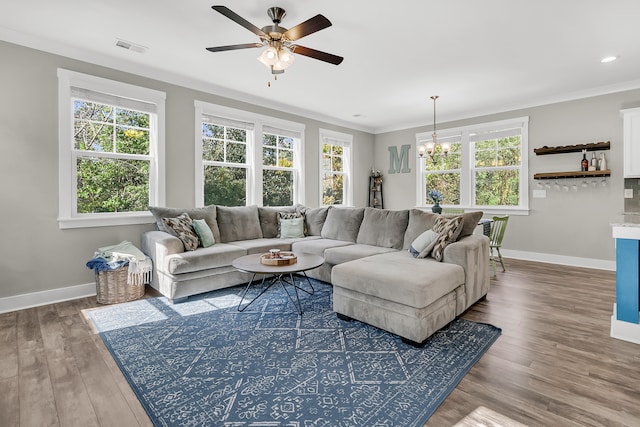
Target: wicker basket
[112, 287]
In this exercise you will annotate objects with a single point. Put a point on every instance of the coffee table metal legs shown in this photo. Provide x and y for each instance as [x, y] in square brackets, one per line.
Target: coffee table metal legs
[278, 278]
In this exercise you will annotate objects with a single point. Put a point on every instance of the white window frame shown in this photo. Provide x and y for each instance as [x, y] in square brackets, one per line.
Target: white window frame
[346, 141]
[68, 217]
[467, 178]
[254, 150]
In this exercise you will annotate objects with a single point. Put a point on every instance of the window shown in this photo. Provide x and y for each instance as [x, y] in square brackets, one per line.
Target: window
[486, 167]
[335, 168]
[111, 145]
[244, 158]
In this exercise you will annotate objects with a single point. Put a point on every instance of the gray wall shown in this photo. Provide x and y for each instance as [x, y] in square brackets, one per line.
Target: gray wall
[35, 255]
[568, 224]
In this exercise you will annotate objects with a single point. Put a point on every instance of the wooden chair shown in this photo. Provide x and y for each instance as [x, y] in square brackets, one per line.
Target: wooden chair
[498, 226]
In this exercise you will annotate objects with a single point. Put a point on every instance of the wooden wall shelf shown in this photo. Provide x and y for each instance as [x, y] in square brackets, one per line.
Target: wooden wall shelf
[560, 175]
[606, 145]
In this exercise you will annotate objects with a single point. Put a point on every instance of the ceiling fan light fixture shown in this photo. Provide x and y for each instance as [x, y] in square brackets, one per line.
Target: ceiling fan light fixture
[269, 57]
[285, 58]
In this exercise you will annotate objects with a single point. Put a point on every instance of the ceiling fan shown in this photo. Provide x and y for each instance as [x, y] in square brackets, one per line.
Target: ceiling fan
[279, 40]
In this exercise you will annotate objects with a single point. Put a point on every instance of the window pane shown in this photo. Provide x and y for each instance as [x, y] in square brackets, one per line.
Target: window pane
[212, 131]
[269, 140]
[132, 141]
[509, 156]
[236, 134]
[277, 188]
[497, 188]
[333, 190]
[337, 150]
[112, 185]
[91, 111]
[326, 163]
[285, 159]
[285, 142]
[225, 186]
[213, 150]
[337, 164]
[93, 136]
[269, 156]
[236, 153]
[132, 118]
[448, 184]
[326, 148]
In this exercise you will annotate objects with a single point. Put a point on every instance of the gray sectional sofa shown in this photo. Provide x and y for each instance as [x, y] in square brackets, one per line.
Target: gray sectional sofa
[375, 278]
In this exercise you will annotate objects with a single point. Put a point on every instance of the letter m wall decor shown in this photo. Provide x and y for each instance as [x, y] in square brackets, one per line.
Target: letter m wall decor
[399, 163]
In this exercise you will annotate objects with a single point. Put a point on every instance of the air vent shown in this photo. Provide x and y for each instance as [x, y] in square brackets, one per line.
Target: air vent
[131, 46]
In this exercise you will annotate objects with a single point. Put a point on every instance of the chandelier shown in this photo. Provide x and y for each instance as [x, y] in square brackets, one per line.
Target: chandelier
[429, 148]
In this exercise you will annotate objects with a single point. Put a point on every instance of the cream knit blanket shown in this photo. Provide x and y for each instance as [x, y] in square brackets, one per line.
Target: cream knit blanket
[140, 266]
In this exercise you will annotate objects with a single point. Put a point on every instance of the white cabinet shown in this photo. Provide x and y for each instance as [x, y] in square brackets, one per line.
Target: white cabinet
[631, 137]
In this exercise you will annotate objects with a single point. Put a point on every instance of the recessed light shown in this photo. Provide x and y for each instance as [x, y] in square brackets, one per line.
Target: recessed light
[608, 59]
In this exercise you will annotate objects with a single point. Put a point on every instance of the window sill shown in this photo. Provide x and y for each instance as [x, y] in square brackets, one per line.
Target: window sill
[485, 210]
[106, 220]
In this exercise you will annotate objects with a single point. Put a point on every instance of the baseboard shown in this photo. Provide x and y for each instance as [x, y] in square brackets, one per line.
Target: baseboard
[598, 264]
[36, 299]
[624, 331]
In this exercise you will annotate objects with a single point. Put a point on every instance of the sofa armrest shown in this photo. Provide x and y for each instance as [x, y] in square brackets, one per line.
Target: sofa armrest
[472, 254]
[159, 244]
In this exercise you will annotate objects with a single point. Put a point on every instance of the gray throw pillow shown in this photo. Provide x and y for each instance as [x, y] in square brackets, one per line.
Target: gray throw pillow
[422, 246]
[238, 223]
[383, 228]
[342, 224]
[314, 219]
[448, 230]
[208, 213]
[419, 222]
[469, 222]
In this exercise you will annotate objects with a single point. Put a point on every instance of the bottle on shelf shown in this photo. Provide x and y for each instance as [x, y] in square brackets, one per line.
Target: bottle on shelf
[603, 162]
[584, 165]
[594, 162]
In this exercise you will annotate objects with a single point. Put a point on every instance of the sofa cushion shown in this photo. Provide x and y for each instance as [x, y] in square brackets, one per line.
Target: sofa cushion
[317, 246]
[399, 277]
[204, 233]
[238, 223]
[181, 227]
[269, 219]
[342, 224]
[261, 246]
[384, 228]
[284, 216]
[208, 213]
[314, 219]
[218, 255]
[419, 222]
[340, 254]
[469, 222]
[448, 230]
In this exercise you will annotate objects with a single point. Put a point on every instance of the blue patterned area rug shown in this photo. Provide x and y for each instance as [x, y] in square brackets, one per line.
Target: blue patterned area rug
[203, 363]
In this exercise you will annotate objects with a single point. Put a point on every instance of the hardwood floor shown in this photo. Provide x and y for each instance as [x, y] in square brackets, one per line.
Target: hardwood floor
[554, 365]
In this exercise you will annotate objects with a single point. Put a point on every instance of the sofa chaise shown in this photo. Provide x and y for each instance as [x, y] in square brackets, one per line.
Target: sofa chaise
[375, 278]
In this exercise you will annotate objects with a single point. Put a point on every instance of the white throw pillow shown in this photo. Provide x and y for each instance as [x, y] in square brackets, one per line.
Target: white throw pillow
[423, 244]
[292, 228]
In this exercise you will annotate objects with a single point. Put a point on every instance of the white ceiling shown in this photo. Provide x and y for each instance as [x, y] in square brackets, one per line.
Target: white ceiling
[480, 57]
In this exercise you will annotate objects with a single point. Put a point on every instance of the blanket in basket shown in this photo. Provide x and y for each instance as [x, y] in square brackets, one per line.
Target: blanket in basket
[124, 253]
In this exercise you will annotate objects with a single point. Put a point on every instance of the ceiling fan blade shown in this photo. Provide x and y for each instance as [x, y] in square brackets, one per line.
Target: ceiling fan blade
[239, 20]
[309, 26]
[234, 47]
[316, 54]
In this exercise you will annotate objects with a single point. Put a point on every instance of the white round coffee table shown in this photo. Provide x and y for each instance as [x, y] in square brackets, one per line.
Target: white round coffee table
[279, 273]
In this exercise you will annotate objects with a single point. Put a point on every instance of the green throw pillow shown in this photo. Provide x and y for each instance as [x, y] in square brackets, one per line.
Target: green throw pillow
[204, 233]
[292, 228]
